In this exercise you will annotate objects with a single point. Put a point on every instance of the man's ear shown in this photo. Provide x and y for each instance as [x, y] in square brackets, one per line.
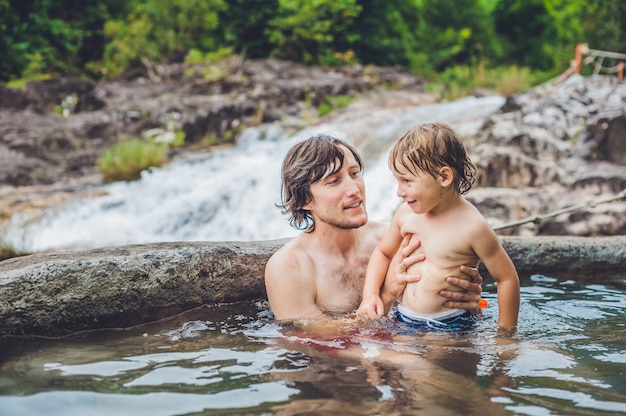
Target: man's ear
[308, 205]
[446, 176]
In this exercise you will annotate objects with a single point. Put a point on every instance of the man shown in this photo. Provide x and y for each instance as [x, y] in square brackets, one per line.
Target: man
[323, 270]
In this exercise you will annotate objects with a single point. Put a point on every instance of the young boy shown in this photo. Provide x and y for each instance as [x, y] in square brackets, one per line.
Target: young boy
[433, 173]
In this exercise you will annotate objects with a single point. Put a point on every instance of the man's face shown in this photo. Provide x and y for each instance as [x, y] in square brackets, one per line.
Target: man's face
[339, 199]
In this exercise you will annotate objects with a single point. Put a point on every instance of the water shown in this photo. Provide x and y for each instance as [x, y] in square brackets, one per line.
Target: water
[567, 358]
[230, 195]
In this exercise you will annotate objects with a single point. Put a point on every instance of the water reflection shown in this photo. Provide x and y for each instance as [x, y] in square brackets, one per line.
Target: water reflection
[568, 357]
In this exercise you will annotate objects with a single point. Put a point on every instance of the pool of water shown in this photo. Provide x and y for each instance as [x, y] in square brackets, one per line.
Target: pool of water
[568, 358]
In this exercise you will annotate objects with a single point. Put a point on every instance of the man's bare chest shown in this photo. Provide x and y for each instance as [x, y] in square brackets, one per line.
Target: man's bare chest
[340, 287]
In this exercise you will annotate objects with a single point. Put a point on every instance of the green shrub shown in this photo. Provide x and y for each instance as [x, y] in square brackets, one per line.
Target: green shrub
[461, 81]
[7, 251]
[332, 103]
[124, 161]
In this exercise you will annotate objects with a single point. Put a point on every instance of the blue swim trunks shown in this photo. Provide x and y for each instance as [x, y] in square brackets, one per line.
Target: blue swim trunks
[452, 320]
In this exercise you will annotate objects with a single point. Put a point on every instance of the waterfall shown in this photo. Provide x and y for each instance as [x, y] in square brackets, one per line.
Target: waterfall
[230, 194]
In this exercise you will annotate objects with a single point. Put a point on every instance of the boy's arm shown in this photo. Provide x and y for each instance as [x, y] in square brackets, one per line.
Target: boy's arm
[371, 304]
[290, 287]
[397, 277]
[501, 268]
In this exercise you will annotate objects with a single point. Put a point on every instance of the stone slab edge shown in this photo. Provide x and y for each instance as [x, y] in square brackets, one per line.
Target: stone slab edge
[58, 293]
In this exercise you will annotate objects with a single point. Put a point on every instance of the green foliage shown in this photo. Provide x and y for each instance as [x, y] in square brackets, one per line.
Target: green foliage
[310, 31]
[212, 65]
[387, 33]
[209, 140]
[50, 37]
[332, 103]
[124, 161]
[461, 81]
[244, 28]
[159, 30]
[179, 141]
[7, 251]
[456, 32]
[528, 32]
[46, 38]
[603, 24]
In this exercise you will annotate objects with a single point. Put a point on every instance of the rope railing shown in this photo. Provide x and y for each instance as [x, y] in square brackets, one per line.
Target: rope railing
[538, 219]
[587, 56]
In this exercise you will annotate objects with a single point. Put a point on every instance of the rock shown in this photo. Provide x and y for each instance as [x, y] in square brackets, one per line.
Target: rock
[38, 145]
[127, 285]
[603, 138]
[59, 293]
[558, 146]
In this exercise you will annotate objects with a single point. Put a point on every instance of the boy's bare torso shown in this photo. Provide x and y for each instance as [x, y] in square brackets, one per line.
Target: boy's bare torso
[446, 243]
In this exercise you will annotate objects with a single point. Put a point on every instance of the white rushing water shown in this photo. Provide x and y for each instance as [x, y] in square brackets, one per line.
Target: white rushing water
[231, 194]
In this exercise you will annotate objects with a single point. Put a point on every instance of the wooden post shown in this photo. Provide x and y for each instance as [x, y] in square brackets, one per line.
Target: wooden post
[580, 50]
[620, 71]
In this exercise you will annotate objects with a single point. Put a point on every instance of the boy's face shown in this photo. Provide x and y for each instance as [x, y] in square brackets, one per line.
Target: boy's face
[419, 190]
[339, 199]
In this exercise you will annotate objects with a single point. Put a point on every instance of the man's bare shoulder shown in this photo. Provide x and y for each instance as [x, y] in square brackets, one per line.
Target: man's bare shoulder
[293, 257]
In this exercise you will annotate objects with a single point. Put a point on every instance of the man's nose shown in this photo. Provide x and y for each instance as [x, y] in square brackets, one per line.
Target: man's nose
[352, 187]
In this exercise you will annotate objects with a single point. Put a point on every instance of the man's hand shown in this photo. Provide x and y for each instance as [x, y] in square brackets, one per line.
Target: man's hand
[470, 299]
[397, 277]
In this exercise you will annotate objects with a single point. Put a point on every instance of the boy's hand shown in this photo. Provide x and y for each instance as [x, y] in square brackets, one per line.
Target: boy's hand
[372, 307]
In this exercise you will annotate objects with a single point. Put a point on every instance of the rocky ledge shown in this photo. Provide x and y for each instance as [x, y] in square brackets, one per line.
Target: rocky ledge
[39, 145]
[60, 293]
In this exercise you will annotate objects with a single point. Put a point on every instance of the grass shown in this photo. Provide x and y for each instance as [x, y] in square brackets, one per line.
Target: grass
[461, 81]
[124, 161]
[7, 251]
[332, 103]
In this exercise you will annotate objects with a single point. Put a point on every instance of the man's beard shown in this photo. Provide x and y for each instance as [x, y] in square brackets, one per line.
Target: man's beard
[344, 224]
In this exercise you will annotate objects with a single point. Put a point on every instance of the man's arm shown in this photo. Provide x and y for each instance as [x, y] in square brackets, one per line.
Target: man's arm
[290, 290]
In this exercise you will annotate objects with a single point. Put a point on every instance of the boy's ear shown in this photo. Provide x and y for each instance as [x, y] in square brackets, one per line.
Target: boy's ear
[446, 176]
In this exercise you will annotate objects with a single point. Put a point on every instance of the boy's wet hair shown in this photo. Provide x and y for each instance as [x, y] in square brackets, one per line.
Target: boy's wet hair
[429, 147]
[306, 163]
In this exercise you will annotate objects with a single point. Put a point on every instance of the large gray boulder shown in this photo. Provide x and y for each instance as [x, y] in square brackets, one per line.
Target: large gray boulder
[122, 286]
[60, 293]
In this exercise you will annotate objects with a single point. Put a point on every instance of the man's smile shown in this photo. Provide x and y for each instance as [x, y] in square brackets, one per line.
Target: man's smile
[354, 205]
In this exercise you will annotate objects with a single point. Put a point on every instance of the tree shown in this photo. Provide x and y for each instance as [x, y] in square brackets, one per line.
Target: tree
[528, 31]
[160, 30]
[386, 32]
[243, 23]
[51, 37]
[308, 30]
[457, 32]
